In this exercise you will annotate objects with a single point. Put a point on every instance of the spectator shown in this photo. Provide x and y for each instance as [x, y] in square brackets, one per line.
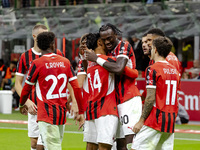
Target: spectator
[142, 60]
[195, 70]
[9, 77]
[2, 68]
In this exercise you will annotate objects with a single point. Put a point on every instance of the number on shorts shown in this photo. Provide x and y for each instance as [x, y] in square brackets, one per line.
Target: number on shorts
[124, 119]
[49, 94]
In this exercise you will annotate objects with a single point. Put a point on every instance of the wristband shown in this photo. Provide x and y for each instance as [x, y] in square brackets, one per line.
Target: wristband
[100, 61]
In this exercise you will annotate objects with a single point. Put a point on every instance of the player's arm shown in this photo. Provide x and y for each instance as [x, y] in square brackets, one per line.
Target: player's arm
[30, 81]
[148, 106]
[18, 84]
[74, 106]
[132, 73]
[113, 67]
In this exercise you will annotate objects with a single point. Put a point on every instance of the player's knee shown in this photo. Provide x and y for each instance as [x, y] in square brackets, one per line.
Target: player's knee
[103, 146]
[33, 143]
[121, 144]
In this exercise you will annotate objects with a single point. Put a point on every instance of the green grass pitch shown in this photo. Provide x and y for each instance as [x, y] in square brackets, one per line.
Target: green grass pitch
[14, 136]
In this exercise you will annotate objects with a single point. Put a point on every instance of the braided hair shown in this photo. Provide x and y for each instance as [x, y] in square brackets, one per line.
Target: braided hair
[110, 26]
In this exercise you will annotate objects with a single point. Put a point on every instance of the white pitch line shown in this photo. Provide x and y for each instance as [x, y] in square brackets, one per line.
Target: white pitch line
[78, 132]
[187, 139]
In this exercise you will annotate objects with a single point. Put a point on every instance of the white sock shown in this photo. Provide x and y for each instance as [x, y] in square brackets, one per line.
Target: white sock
[33, 148]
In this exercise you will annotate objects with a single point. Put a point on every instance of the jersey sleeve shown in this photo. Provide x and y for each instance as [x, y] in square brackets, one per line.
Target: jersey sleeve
[72, 75]
[124, 50]
[21, 66]
[32, 74]
[81, 69]
[150, 76]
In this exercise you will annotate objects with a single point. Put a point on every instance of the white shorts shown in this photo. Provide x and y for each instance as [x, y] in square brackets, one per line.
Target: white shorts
[150, 139]
[33, 128]
[51, 135]
[101, 130]
[39, 141]
[129, 114]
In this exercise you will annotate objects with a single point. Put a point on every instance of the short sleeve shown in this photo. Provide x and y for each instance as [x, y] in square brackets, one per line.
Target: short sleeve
[72, 75]
[32, 74]
[124, 50]
[21, 66]
[150, 76]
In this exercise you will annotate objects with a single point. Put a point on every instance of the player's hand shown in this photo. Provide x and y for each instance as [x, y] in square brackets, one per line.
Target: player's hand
[24, 110]
[138, 126]
[82, 47]
[32, 108]
[90, 55]
[81, 120]
[74, 110]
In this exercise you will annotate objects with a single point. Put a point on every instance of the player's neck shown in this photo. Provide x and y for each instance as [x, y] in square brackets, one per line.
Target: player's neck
[36, 48]
[48, 51]
[159, 58]
[99, 50]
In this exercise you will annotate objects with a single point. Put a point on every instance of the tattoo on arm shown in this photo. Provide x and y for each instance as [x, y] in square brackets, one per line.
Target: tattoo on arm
[149, 102]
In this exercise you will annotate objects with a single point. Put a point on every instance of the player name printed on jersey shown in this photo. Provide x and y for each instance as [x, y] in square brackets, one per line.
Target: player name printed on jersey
[169, 71]
[55, 65]
[171, 57]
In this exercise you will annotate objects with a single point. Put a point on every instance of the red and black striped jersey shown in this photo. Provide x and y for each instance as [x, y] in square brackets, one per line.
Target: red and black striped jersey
[52, 73]
[165, 78]
[24, 63]
[125, 86]
[101, 91]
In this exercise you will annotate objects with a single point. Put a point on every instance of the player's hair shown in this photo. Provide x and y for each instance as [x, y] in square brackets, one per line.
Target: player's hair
[156, 31]
[39, 26]
[163, 46]
[110, 26]
[45, 39]
[14, 62]
[144, 35]
[91, 40]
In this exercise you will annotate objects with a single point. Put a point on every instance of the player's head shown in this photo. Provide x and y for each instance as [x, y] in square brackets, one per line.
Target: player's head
[13, 64]
[152, 34]
[46, 41]
[109, 34]
[161, 47]
[93, 41]
[37, 29]
[145, 46]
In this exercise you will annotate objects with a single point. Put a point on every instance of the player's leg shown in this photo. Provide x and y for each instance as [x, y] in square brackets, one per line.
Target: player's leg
[91, 146]
[33, 130]
[147, 138]
[121, 143]
[50, 135]
[33, 143]
[106, 127]
[103, 146]
[40, 143]
[90, 135]
[129, 113]
[166, 141]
